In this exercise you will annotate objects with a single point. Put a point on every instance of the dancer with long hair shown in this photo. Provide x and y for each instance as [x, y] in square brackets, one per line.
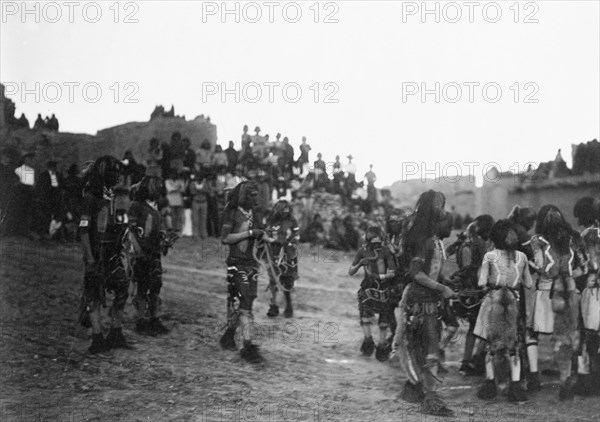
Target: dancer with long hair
[419, 332]
[587, 212]
[503, 271]
[557, 260]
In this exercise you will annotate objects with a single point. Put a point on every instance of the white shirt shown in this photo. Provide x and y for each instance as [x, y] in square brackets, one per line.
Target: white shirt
[350, 168]
[53, 179]
[26, 175]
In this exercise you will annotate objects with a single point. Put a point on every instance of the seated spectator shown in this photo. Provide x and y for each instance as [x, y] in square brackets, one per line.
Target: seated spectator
[72, 190]
[337, 235]
[351, 238]
[315, 232]
[281, 189]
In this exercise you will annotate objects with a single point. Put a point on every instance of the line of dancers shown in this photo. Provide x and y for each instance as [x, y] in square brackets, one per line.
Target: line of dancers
[527, 275]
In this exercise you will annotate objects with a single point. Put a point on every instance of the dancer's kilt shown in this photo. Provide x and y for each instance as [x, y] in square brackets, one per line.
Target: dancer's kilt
[374, 298]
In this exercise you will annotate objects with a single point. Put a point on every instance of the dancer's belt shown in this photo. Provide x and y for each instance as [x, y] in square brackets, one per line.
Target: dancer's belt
[544, 284]
[510, 289]
[378, 295]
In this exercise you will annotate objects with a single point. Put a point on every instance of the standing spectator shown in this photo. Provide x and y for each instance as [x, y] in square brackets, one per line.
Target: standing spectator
[259, 145]
[166, 159]
[199, 194]
[39, 123]
[24, 196]
[48, 192]
[338, 176]
[186, 230]
[371, 179]
[246, 140]
[8, 182]
[189, 156]
[214, 228]
[350, 170]
[175, 186]
[220, 188]
[220, 160]
[53, 123]
[277, 144]
[232, 158]
[265, 187]
[177, 151]
[287, 152]
[154, 161]
[320, 173]
[304, 153]
[204, 158]
[246, 162]
[22, 122]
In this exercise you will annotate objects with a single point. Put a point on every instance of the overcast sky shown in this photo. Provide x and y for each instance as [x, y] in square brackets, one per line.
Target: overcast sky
[374, 55]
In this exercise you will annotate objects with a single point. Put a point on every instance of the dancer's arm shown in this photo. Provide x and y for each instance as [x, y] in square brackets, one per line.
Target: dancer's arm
[485, 271]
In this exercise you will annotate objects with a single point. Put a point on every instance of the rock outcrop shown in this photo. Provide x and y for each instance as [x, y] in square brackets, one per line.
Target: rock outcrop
[68, 148]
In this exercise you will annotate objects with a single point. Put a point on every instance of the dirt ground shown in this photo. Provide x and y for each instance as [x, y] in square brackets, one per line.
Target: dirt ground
[313, 370]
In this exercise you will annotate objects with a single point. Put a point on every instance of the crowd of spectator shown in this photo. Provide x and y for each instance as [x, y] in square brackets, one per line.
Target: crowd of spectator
[196, 183]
